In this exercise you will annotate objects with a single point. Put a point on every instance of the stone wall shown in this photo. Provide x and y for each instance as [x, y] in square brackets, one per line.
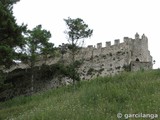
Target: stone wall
[108, 60]
[111, 59]
[136, 65]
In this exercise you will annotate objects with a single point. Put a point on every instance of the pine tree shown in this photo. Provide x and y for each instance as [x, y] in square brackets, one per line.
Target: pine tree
[77, 31]
[10, 33]
[37, 43]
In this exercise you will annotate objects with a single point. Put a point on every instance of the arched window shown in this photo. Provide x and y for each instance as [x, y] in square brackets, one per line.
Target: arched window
[137, 59]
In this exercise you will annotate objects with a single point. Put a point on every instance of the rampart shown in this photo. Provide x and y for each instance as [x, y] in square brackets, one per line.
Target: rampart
[108, 60]
[111, 59]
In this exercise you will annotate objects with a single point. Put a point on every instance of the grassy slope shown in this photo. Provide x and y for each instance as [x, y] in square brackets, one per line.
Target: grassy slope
[99, 99]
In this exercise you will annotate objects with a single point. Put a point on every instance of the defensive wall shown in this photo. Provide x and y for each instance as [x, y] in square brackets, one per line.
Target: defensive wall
[109, 60]
[112, 59]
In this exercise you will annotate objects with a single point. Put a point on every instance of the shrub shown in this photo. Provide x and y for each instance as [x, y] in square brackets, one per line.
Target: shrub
[90, 71]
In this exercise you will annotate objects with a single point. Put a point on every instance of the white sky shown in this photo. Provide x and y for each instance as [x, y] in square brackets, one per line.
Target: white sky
[110, 19]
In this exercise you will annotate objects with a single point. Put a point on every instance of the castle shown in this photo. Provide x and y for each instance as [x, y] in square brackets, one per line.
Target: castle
[132, 54]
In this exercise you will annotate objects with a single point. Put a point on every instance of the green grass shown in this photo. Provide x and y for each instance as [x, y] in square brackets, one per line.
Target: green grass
[98, 99]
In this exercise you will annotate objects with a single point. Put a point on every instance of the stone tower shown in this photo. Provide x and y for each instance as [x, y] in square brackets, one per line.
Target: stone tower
[139, 49]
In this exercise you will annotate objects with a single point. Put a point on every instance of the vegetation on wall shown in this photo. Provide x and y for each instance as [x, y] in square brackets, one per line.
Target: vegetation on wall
[127, 68]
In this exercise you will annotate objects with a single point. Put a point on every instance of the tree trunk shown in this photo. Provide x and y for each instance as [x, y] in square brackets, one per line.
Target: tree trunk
[73, 69]
[32, 77]
[32, 82]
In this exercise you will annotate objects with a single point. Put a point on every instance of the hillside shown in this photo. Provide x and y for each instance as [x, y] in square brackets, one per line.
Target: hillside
[98, 99]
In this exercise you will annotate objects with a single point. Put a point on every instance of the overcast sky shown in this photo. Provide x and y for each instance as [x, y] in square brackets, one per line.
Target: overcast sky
[110, 19]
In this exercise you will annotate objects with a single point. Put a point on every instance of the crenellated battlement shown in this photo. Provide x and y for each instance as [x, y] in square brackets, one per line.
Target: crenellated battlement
[126, 41]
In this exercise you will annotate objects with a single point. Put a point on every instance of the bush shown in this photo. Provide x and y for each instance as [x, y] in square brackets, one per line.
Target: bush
[90, 71]
[127, 68]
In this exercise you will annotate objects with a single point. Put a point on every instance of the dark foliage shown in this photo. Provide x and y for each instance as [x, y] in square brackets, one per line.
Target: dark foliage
[10, 33]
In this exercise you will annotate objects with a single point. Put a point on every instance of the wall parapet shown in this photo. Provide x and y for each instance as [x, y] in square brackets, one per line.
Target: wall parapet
[99, 45]
[108, 43]
[126, 40]
[116, 42]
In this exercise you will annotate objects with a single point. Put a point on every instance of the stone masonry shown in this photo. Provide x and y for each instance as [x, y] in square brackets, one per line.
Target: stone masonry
[112, 59]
